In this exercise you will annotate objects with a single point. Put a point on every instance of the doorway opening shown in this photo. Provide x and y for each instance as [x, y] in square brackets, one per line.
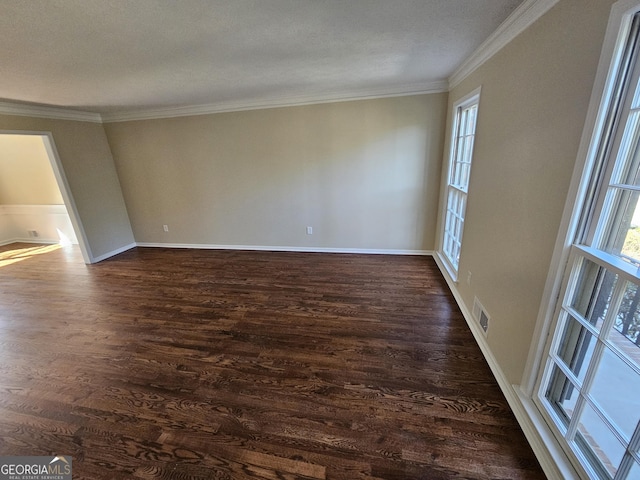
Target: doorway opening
[36, 205]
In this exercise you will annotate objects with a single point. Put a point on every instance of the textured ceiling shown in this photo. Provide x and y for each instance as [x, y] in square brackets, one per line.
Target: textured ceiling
[132, 55]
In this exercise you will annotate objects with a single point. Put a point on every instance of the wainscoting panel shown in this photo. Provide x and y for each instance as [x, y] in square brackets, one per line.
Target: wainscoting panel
[35, 223]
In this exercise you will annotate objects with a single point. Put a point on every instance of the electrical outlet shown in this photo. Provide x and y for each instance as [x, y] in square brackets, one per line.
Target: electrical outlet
[165, 228]
[309, 230]
[469, 278]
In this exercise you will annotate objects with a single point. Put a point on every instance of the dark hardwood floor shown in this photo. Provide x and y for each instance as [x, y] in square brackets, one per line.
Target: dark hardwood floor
[202, 364]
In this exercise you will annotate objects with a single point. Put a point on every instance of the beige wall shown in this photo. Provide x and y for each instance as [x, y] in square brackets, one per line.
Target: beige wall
[363, 174]
[88, 166]
[535, 94]
[26, 176]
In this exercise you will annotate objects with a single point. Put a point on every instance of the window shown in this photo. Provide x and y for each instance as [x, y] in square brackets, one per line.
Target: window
[589, 389]
[463, 133]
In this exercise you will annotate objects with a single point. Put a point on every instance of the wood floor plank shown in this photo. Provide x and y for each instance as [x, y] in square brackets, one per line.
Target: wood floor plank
[200, 364]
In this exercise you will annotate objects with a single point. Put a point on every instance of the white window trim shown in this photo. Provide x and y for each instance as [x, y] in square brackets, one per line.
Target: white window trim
[601, 97]
[467, 100]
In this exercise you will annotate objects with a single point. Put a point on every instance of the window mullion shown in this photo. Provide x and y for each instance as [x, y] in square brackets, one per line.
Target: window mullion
[594, 362]
[454, 146]
[622, 186]
[631, 456]
[625, 466]
[580, 319]
[612, 263]
[604, 203]
[633, 450]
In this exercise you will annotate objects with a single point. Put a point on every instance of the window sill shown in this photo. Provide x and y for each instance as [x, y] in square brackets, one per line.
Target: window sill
[446, 267]
[553, 459]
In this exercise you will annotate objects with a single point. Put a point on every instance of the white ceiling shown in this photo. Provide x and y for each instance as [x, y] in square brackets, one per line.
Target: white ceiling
[112, 56]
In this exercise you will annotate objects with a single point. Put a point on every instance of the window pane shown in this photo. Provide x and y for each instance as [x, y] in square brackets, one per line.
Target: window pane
[625, 334]
[464, 176]
[464, 121]
[576, 347]
[462, 165]
[626, 171]
[562, 395]
[624, 237]
[616, 389]
[636, 99]
[464, 115]
[593, 290]
[631, 245]
[634, 472]
[455, 180]
[453, 225]
[471, 123]
[598, 444]
[468, 150]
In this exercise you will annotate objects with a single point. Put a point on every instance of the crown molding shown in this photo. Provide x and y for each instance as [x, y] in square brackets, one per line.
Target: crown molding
[57, 113]
[276, 102]
[43, 111]
[521, 18]
[525, 15]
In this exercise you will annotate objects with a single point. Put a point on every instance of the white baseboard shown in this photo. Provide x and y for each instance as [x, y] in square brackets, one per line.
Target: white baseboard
[547, 450]
[43, 241]
[272, 248]
[112, 253]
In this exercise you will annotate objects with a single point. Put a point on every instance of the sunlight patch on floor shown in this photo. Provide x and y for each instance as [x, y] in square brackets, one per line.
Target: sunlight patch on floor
[13, 256]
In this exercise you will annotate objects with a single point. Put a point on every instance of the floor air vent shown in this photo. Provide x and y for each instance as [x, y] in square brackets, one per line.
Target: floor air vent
[480, 314]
